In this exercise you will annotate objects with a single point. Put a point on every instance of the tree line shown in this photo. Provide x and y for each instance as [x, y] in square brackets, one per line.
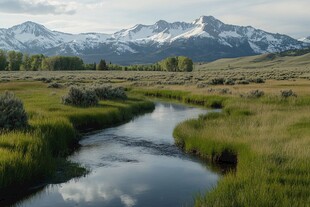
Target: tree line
[17, 61]
[171, 64]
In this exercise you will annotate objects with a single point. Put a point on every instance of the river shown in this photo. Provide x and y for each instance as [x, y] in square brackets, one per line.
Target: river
[133, 165]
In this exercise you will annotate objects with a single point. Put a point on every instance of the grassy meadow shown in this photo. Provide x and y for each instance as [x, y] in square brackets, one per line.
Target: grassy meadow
[271, 139]
[31, 155]
[269, 136]
[263, 62]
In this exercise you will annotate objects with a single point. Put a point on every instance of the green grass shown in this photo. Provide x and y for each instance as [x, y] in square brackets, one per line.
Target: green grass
[214, 101]
[271, 140]
[32, 154]
[269, 61]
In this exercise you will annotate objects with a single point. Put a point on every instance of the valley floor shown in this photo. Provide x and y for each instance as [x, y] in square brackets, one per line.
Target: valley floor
[269, 134]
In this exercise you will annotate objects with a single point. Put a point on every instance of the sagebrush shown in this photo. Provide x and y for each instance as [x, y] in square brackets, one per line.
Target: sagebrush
[12, 112]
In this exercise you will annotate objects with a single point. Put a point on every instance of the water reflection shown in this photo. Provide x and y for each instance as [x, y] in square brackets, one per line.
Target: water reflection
[135, 164]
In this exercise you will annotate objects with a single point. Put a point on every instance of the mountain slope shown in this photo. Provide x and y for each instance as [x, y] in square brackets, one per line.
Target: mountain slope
[305, 39]
[264, 61]
[205, 39]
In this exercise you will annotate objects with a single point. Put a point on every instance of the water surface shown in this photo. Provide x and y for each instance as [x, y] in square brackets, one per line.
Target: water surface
[135, 164]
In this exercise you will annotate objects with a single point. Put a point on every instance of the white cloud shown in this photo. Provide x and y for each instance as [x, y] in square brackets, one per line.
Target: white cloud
[37, 7]
[128, 201]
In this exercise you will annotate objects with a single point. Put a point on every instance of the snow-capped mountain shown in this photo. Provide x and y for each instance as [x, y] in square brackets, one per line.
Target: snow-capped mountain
[160, 32]
[204, 39]
[305, 39]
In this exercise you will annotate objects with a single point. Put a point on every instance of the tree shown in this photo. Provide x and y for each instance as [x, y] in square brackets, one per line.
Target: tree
[48, 63]
[174, 64]
[95, 66]
[185, 64]
[63, 63]
[3, 60]
[102, 65]
[26, 65]
[36, 62]
[15, 60]
[170, 64]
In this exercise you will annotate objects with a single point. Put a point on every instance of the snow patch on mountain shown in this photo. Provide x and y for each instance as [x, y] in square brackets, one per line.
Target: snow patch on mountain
[227, 34]
[255, 47]
[122, 48]
[160, 32]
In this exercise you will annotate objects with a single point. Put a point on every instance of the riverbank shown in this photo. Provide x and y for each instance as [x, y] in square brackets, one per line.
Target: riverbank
[211, 101]
[268, 137]
[30, 155]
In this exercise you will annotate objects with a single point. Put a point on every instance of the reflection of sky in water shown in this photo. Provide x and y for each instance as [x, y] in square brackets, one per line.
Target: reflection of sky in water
[135, 164]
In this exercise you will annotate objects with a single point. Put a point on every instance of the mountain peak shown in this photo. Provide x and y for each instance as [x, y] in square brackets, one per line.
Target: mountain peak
[203, 20]
[161, 22]
[30, 23]
[32, 32]
[305, 39]
[161, 25]
[30, 27]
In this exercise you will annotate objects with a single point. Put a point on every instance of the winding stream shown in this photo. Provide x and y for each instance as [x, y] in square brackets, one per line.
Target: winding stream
[135, 164]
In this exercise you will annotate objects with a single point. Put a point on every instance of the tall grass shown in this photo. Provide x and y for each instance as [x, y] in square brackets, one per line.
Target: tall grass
[186, 97]
[271, 140]
[27, 156]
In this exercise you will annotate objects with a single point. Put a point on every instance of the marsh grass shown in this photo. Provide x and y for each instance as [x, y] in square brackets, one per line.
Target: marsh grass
[29, 155]
[184, 96]
[271, 141]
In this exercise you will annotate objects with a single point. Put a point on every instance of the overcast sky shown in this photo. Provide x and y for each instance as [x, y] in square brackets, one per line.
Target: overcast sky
[291, 17]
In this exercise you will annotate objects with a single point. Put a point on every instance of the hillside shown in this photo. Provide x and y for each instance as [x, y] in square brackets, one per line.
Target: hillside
[264, 61]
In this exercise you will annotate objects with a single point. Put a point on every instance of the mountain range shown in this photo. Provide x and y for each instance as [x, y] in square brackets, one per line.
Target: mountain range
[204, 39]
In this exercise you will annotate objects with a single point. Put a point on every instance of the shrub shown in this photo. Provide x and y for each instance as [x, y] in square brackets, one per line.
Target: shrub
[229, 82]
[102, 92]
[118, 93]
[201, 85]
[224, 91]
[54, 85]
[243, 82]
[80, 97]
[253, 94]
[91, 96]
[12, 112]
[288, 93]
[43, 79]
[108, 92]
[258, 80]
[217, 81]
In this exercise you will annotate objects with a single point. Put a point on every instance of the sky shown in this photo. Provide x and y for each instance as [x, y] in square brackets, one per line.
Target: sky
[291, 17]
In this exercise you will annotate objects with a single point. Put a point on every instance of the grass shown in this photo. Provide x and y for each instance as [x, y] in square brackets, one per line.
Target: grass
[264, 61]
[269, 136]
[29, 155]
[214, 101]
[271, 140]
